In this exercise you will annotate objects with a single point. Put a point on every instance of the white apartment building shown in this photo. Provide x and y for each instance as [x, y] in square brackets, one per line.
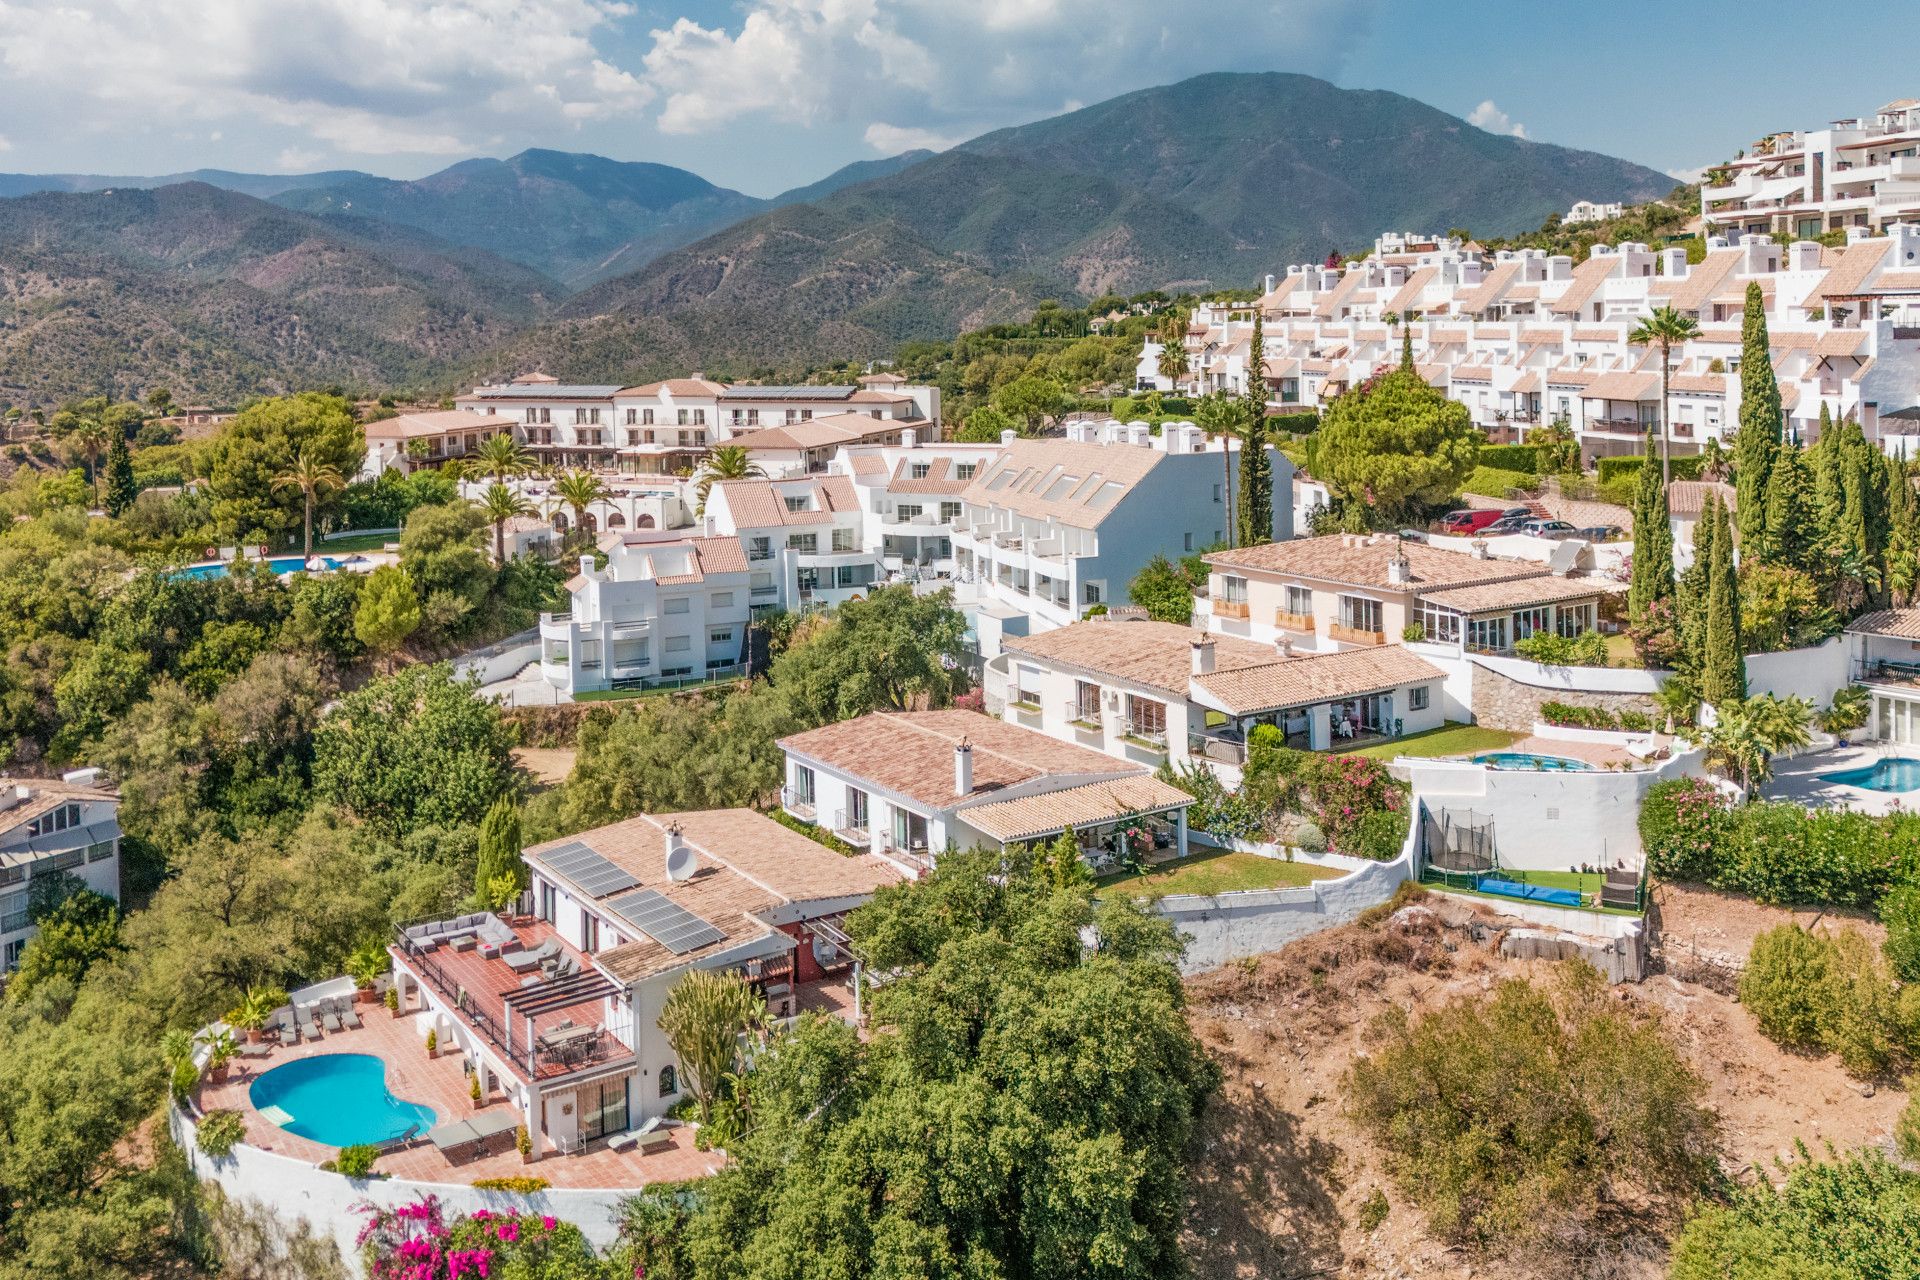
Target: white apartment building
[1524, 338]
[665, 610]
[1590, 211]
[907, 786]
[1053, 527]
[1153, 692]
[1863, 172]
[48, 827]
[806, 533]
[910, 497]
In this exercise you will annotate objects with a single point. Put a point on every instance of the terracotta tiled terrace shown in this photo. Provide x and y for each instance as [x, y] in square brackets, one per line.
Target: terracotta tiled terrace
[441, 1083]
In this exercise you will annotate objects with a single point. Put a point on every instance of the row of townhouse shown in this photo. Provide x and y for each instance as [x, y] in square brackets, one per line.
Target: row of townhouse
[1524, 338]
[660, 429]
[1861, 172]
[50, 827]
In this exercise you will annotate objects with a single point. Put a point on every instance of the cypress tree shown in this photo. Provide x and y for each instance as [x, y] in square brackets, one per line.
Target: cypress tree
[1406, 344]
[1759, 434]
[1690, 594]
[1902, 526]
[1256, 467]
[1652, 579]
[121, 490]
[1723, 669]
[1793, 518]
[499, 847]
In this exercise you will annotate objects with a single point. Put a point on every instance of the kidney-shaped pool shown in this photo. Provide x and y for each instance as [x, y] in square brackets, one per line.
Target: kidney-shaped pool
[339, 1099]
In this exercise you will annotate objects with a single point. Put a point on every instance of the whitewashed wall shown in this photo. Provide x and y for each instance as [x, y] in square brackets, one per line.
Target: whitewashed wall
[1813, 674]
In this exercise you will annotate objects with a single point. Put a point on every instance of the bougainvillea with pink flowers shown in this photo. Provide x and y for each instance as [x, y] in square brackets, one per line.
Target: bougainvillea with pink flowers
[417, 1241]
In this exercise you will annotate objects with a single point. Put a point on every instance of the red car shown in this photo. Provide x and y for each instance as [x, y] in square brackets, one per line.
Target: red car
[1461, 523]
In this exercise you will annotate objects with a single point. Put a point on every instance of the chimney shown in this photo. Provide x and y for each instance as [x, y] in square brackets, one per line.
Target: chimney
[1399, 568]
[963, 768]
[909, 439]
[1478, 549]
[586, 566]
[1006, 437]
[1202, 657]
[1269, 288]
[1285, 645]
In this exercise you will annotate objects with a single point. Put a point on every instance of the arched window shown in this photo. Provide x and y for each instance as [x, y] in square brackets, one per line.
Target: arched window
[616, 521]
[669, 1082]
[643, 522]
[559, 522]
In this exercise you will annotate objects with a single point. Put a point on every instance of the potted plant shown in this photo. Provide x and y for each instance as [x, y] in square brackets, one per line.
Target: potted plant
[473, 1091]
[523, 1143]
[366, 965]
[393, 1001]
[433, 1043]
[252, 1014]
[220, 1051]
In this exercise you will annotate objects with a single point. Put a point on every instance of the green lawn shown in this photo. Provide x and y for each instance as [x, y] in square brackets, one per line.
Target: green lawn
[1587, 883]
[1449, 740]
[623, 695]
[1620, 651]
[355, 542]
[1218, 871]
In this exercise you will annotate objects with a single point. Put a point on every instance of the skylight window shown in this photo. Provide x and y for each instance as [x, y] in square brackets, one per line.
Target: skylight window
[1107, 495]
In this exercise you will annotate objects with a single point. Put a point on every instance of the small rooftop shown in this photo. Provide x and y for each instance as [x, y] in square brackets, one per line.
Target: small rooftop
[1362, 560]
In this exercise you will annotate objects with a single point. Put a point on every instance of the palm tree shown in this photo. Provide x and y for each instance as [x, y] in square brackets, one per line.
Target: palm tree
[1173, 347]
[1662, 329]
[499, 457]
[726, 462]
[310, 476]
[1747, 735]
[579, 490]
[91, 438]
[502, 504]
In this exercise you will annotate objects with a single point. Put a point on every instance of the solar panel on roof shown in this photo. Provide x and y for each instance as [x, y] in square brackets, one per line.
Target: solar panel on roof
[667, 923]
[788, 393]
[593, 873]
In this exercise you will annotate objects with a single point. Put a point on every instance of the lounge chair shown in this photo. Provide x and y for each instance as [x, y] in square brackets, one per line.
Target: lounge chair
[349, 1017]
[329, 1018]
[283, 1023]
[621, 1141]
[521, 961]
[309, 1025]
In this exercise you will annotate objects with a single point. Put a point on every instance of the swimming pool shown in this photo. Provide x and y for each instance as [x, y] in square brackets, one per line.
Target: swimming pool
[1527, 760]
[281, 565]
[339, 1099]
[1898, 773]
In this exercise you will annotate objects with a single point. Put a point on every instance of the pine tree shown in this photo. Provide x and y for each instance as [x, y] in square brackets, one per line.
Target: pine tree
[1723, 668]
[1759, 434]
[121, 489]
[1652, 542]
[499, 848]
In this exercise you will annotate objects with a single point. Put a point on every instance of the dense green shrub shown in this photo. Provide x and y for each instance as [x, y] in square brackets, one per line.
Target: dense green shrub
[1490, 482]
[1293, 424]
[1380, 835]
[1229, 815]
[1635, 721]
[1682, 824]
[1346, 791]
[1781, 986]
[1569, 716]
[1855, 1218]
[1511, 457]
[356, 1161]
[1487, 1128]
[1906, 1130]
[220, 1132]
[1833, 993]
[1550, 649]
[1628, 466]
[1900, 912]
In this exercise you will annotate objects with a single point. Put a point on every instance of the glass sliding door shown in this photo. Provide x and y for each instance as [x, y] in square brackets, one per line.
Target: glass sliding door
[603, 1108]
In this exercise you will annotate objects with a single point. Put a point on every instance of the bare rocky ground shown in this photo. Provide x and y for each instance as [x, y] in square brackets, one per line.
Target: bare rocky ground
[1281, 1174]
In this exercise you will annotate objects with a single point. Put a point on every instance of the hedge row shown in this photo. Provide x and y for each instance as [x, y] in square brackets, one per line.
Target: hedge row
[1777, 852]
[1510, 457]
[1569, 716]
[1294, 424]
[1686, 468]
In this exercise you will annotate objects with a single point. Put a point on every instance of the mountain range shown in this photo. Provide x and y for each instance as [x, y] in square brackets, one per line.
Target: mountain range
[602, 270]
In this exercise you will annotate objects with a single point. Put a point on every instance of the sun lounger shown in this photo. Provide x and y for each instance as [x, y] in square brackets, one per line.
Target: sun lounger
[250, 1050]
[521, 961]
[330, 1019]
[349, 1017]
[309, 1025]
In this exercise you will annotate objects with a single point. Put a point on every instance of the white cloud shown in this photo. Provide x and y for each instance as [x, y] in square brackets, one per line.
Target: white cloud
[6, 144]
[294, 160]
[358, 76]
[892, 139]
[948, 70]
[1694, 174]
[1494, 120]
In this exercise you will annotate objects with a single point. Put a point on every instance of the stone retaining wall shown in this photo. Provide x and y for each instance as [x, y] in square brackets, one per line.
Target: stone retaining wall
[1502, 703]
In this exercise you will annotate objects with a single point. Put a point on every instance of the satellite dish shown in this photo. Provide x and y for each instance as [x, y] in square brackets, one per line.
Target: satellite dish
[681, 862]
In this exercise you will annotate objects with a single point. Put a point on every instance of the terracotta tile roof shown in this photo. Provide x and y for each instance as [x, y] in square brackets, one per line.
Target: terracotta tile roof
[1088, 805]
[44, 794]
[1553, 336]
[1022, 477]
[1840, 342]
[1409, 293]
[1699, 383]
[1514, 594]
[867, 395]
[1156, 654]
[1337, 296]
[1569, 377]
[682, 560]
[1441, 336]
[868, 465]
[1897, 282]
[1361, 560]
[822, 431]
[679, 388]
[1689, 497]
[1526, 383]
[1625, 385]
[1586, 515]
[762, 504]
[1850, 274]
[1586, 278]
[1900, 624]
[746, 863]
[1320, 677]
[1704, 279]
[940, 477]
[1488, 291]
[910, 753]
[1591, 334]
[1789, 397]
[442, 422]
[1528, 291]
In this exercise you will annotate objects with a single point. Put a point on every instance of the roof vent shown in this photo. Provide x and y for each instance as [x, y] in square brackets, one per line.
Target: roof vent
[681, 860]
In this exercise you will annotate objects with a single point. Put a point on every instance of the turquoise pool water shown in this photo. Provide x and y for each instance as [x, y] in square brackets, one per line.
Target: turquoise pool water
[279, 564]
[339, 1099]
[1525, 760]
[1896, 774]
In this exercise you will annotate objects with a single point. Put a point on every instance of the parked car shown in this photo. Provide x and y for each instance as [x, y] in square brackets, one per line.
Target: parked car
[1474, 519]
[1510, 524]
[1600, 532]
[1549, 529]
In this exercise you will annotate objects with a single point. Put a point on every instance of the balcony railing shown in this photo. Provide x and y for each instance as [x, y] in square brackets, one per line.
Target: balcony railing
[1213, 747]
[1288, 621]
[1081, 716]
[1354, 635]
[851, 827]
[1232, 609]
[801, 806]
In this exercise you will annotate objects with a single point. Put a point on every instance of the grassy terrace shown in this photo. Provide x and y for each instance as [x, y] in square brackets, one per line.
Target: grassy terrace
[1217, 871]
[1586, 883]
[353, 542]
[1448, 740]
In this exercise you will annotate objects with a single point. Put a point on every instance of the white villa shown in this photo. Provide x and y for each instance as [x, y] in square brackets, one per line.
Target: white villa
[665, 610]
[1863, 172]
[1152, 692]
[1053, 527]
[1590, 211]
[51, 826]
[807, 531]
[910, 500]
[561, 1012]
[906, 786]
[1524, 338]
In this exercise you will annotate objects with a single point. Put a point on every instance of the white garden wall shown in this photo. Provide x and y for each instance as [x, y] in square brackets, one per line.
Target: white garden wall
[1814, 674]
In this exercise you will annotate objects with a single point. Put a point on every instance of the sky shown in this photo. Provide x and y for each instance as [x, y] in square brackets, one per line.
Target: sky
[762, 95]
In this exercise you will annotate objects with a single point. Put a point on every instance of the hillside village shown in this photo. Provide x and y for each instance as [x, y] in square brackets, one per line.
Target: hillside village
[1403, 770]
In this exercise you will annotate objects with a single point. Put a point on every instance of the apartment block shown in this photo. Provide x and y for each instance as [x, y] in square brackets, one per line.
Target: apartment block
[51, 827]
[1860, 172]
[807, 534]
